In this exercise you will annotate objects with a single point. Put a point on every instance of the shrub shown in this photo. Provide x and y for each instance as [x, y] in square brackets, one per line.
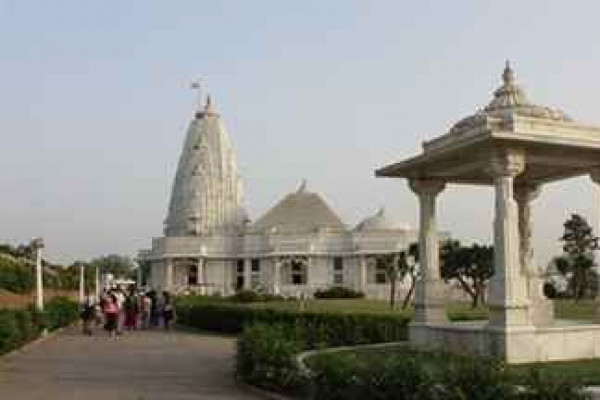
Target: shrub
[60, 311]
[542, 386]
[476, 379]
[319, 328]
[18, 327]
[341, 376]
[266, 357]
[9, 333]
[246, 296]
[338, 292]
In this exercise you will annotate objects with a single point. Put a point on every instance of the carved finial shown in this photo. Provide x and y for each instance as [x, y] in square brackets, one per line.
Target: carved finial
[508, 76]
[208, 107]
[302, 187]
[197, 86]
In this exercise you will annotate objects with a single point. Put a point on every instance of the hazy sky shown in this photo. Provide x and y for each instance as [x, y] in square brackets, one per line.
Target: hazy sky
[95, 101]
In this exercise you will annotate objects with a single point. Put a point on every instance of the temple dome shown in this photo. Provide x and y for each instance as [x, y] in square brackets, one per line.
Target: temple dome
[510, 99]
[299, 212]
[381, 221]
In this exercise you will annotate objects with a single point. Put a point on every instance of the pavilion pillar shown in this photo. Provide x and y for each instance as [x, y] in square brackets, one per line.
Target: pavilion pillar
[541, 310]
[429, 291]
[595, 176]
[508, 298]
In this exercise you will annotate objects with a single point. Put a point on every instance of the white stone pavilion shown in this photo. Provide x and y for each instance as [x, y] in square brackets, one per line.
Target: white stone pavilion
[516, 147]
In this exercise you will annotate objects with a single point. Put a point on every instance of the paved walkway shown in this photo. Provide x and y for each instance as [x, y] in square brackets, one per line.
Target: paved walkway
[138, 366]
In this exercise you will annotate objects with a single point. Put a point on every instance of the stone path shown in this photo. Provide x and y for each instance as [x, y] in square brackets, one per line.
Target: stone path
[138, 366]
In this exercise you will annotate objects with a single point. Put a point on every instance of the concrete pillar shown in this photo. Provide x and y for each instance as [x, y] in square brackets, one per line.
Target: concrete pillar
[81, 284]
[541, 310]
[595, 176]
[508, 298]
[429, 291]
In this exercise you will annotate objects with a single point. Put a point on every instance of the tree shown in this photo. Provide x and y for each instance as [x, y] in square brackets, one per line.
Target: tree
[398, 266]
[471, 267]
[117, 265]
[577, 263]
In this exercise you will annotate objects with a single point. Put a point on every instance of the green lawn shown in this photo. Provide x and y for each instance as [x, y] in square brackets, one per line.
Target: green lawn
[564, 309]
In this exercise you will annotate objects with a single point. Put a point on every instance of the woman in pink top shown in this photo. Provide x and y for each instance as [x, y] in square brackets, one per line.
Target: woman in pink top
[111, 313]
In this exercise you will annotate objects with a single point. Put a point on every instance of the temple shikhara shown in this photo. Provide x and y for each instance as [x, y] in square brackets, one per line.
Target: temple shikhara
[516, 147]
[300, 245]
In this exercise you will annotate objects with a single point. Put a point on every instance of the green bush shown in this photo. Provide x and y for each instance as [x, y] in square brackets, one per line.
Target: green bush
[339, 376]
[338, 292]
[476, 379]
[18, 327]
[15, 276]
[415, 376]
[266, 357]
[319, 328]
[59, 312]
[543, 386]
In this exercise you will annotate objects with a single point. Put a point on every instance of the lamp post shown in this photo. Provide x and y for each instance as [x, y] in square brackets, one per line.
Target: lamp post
[38, 244]
[81, 283]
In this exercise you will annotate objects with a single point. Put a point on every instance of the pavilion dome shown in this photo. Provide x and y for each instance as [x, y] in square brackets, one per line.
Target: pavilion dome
[510, 99]
[381, 221]
[299, 212]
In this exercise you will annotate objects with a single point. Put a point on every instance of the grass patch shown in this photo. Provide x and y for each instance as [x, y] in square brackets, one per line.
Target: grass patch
[585, 371]
[456, 311]
[569, 309]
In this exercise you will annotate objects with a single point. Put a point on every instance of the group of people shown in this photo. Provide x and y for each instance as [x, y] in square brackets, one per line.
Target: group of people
[119, 310]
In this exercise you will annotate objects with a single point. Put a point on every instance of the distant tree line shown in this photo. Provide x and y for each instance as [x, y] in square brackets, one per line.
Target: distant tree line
[17, 270]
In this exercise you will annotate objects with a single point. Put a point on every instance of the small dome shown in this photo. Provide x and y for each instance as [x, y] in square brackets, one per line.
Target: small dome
[510, 99]
[381, 222]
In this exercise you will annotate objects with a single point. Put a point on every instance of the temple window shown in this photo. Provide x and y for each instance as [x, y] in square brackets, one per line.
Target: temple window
[255, 272]
[192, 276]
[239, 276]
[298, 273]
[338, 271]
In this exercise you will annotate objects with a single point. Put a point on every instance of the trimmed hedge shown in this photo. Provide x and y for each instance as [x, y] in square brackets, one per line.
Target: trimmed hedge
[338, 292]
[319, 328]
[412, 376]
[18, 327]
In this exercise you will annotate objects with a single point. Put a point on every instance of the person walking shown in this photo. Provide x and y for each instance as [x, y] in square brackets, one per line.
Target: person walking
[146, 309]
[120, 296]
[168, 311]
[131, 310]
[87, 314]
[111, 315]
